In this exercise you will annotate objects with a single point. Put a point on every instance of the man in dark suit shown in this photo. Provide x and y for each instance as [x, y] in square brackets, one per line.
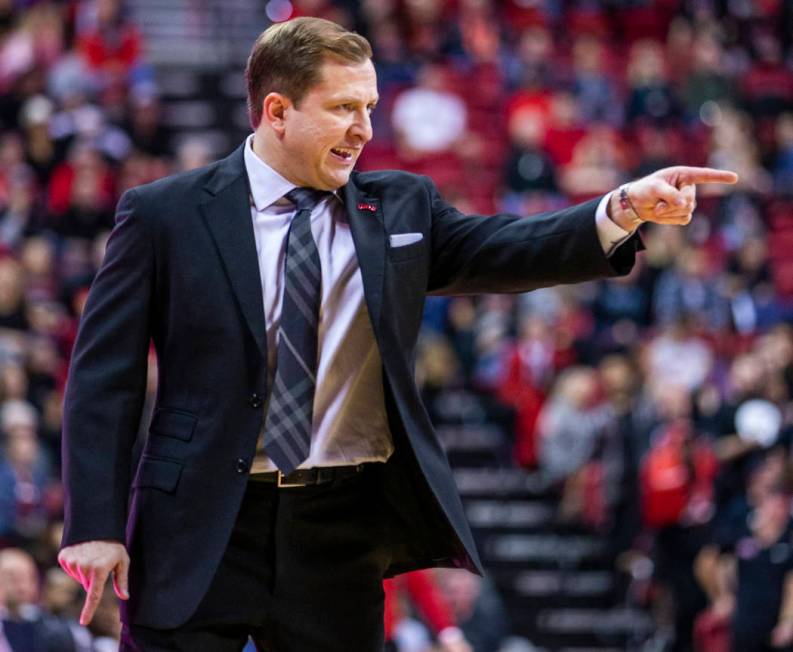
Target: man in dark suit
[290, 464]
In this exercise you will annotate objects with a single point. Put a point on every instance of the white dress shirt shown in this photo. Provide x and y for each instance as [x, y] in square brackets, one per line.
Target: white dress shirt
[350, 424]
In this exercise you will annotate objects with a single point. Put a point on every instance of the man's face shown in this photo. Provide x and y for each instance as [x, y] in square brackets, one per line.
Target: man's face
[324, 135]
[19, 579]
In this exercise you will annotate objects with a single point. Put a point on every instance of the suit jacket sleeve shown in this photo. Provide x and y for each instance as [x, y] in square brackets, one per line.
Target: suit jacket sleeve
[107, 382]
[506, 253]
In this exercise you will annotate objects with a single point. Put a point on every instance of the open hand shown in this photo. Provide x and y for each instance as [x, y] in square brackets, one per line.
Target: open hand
[91, 563]
[667, 196]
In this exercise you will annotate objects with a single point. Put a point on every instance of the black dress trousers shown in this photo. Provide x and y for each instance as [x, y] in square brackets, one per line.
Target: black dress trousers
[303, 572]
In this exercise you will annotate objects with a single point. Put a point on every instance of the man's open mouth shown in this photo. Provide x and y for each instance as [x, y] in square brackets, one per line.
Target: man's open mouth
[343, 154]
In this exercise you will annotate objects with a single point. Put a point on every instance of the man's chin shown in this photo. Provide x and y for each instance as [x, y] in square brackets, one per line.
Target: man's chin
[333, 182]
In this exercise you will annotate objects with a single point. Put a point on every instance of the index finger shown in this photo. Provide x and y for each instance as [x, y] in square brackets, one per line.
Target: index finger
[96, 588]
[688, 175]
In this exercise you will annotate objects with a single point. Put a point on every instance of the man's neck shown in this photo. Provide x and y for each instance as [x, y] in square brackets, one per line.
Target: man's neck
[267, 152]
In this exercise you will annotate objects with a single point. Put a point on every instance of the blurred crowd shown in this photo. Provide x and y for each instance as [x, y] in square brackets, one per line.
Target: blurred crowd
[658, 406]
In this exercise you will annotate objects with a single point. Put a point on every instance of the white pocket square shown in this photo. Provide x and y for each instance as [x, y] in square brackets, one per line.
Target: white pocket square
[402, 239]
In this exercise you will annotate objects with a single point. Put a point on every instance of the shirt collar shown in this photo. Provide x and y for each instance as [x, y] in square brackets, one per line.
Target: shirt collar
[267, 186]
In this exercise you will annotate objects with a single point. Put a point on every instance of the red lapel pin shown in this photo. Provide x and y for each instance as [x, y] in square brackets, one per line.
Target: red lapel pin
[367, 207]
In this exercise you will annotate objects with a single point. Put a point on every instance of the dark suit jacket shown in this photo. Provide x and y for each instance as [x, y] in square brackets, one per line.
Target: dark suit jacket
[181, 270]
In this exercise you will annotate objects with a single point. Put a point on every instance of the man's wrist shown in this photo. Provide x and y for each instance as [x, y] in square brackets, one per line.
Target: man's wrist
[621, 211]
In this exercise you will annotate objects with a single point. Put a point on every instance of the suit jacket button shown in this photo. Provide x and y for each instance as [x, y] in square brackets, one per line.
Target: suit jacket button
[255, 401]
[242, 466]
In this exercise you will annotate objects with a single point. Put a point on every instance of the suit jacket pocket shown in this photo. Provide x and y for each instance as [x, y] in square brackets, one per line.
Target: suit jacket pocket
[173, 423]
[406, 252]
[158, 473]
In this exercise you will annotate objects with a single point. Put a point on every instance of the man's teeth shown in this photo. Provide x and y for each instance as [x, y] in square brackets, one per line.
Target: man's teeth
[344, 153]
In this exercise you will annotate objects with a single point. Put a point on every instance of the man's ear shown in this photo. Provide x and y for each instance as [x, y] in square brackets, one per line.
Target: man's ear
[274, 109]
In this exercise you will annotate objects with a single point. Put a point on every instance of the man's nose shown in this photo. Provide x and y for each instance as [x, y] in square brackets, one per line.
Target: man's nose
[362, 127]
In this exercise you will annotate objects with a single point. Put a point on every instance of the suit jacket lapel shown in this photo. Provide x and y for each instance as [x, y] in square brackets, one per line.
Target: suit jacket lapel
[368, 234]
[228, 217]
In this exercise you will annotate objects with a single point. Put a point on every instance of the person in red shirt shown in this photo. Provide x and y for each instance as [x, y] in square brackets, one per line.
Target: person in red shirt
[420, 589]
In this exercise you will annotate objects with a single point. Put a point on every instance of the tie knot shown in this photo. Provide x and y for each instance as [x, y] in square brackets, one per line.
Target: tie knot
[305, 198]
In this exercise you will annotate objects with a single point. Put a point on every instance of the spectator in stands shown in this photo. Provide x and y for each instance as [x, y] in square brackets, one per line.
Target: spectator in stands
[418, 592]
[12, 158]
[593, 86]
[631, 415]
[37, 258]
[394, 67]
[737, 455]
[12, 306]
[424, 29]
[775, 349]
[622, 309]
[479, 35]
[733, 143]
[477, 608]
[107, 41]
[528, 372]
[192, 153]
[42, 152]
[655, 146]
[687, 292]
[27, 626]
[708, 79]
[565, 129]
[87, 212]
[570, 425]
[534, 66]
[678, 356]
[783, 163]
[428, 119]
[144, 125]
[748, 285]
[678, 470]
[82, 182]
[21, 215]
[597, 161]
[763, 474]
[529, 169]
[461, 327]
[767, 86]
[25, 474]
[437, 372]
[761, 568]
[60, 596]
[651, 96]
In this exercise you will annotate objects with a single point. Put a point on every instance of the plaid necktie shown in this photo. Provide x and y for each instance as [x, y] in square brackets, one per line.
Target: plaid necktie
[287, 433]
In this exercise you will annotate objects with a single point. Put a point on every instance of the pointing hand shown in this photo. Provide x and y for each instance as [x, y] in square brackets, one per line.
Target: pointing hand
[667, 196]
[91, 563]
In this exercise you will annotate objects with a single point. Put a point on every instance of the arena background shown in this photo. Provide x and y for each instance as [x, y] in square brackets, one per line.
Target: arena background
[560, 409]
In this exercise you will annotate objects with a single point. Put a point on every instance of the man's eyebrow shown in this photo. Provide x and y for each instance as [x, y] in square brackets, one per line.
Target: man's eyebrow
[345, 99]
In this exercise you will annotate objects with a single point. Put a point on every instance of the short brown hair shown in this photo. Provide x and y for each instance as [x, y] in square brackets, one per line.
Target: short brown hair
[286, 58]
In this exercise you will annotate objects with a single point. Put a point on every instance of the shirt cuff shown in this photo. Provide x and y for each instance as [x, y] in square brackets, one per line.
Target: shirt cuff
[610, 234]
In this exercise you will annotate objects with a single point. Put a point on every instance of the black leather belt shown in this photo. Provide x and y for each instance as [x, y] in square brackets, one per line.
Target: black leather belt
[306, 477]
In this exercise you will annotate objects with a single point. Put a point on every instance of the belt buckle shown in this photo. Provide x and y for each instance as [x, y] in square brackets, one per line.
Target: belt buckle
[286, 485]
